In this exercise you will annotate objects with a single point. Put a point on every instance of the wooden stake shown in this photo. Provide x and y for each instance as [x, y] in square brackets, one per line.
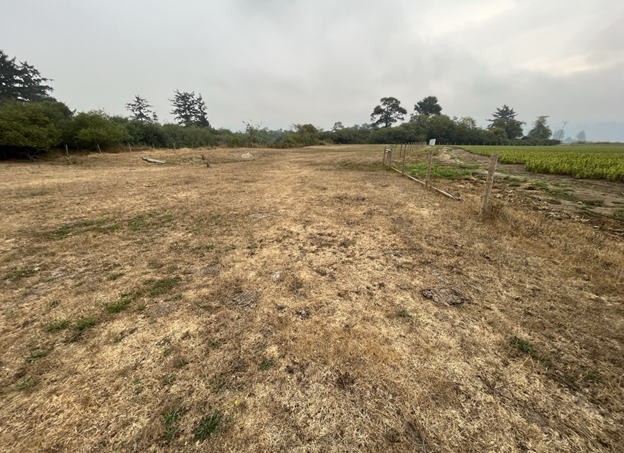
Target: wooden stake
[404, 156]
[99, 149]
[488, 184]
[429, 167]
[67, 150]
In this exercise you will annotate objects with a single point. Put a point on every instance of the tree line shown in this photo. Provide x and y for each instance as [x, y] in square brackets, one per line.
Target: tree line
[32, 122]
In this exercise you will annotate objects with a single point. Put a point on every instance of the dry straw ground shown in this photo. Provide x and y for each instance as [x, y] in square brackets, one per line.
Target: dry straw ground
[283, 303]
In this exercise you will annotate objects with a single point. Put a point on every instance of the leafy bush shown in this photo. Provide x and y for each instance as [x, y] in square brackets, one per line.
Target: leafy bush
[90, 129]
[27, 128]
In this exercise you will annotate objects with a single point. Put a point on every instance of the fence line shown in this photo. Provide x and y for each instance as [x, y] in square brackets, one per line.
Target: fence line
[403, 150]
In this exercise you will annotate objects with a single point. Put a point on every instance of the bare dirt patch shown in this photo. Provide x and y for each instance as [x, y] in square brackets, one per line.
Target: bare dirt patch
[281, 304]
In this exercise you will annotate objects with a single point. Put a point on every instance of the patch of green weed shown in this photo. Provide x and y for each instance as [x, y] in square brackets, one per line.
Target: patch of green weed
[619, 215]
[521, 345]
[119, 306]
[19, 273]
[403, 314]
[137, 223]
[163, 286]
[84, 324]
[170, 379]
[26, 385]
[207, 427]
[593, 377]
[37, 355]
[58, 325]
[114, 277]
[265, 365]
[171, 419]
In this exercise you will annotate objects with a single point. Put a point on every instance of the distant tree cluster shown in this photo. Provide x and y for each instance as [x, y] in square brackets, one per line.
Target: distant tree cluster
[32, 121]
[428, 122]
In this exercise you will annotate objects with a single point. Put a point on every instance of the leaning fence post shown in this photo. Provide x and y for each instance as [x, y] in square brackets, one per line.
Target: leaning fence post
[99, 149]
[429, 167]
[488, 184]
[66, 150]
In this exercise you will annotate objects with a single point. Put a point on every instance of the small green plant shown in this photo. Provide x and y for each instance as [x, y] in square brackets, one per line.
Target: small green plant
[403, 314]
[265, 365]
[58, 325]
[163, 286]
[570, 379]
[20, 273]
[207, 427]
[619, 215]
[113, 227]
[84, 324]
[167, 352]
[230, 247]
[137, 223]
[171, 419]
[37, 355]
[181, 363]
[114, 277]
[140, 308]
[26, 385]
[54, 303]
[521, 345]
[593, 377]
[213, 343]
[170, 379]
[177, 297]
[119, 306]
[209, 246]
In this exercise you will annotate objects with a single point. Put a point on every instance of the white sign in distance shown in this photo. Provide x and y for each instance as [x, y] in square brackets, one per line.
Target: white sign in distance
[432, 142]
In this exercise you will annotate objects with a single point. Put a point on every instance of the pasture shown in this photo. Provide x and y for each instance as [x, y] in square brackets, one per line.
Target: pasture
[305, 301]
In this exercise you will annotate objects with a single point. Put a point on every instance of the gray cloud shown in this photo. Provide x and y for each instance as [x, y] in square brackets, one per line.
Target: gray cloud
[284, 61]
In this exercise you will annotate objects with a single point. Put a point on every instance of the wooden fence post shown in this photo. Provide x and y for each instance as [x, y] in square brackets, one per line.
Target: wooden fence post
[488, 184]
[66, 150]
[429, 168]
[404, 156]
[99, 149]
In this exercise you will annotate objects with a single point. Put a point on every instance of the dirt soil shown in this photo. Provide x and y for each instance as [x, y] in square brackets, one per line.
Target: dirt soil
[302, 301]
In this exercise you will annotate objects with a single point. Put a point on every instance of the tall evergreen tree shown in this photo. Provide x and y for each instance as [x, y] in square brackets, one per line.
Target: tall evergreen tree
[141, 110]
[505, 112]
[22, 82]
[505, 118]
[189, 110]
[540, 129]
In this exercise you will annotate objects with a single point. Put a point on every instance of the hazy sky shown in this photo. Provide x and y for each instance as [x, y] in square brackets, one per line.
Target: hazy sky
[320, 61]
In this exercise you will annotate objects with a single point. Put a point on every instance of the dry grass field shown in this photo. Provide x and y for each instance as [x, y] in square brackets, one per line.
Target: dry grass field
[299, 301]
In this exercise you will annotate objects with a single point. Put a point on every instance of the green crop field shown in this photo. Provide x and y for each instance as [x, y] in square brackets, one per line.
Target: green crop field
[592, 161]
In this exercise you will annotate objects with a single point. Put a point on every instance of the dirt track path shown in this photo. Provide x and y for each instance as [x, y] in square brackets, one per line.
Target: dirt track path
[291, 292]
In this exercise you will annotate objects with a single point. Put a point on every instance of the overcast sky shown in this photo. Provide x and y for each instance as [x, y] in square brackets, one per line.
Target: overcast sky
[320, 61]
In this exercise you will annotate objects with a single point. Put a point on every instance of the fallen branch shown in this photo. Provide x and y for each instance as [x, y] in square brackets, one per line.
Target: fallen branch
[153, 161]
